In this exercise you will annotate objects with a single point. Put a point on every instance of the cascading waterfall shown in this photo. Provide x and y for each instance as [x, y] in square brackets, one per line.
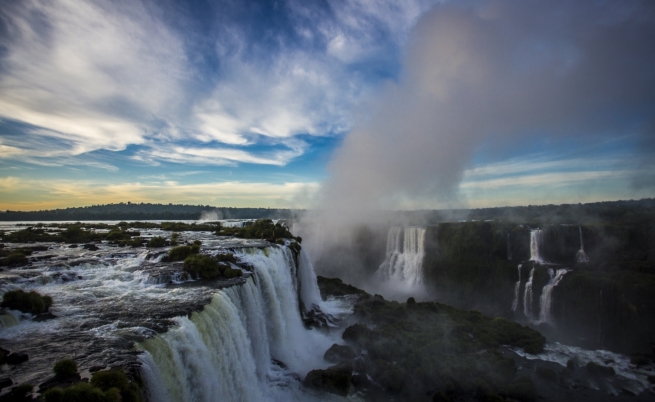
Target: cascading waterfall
[517, 288]
[536, 241]
[545, 302]
[527, 297]
[309, 292]
[509, 249]
[405, 252]
[225, 352]
[581, 256]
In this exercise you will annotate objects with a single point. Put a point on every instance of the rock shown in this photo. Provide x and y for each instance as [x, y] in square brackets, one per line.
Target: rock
[339, 354]
[597, 369]
[5, 382]
[90, 247]
[17, 358]
[44, 317]
[335, 379]
[73, 246]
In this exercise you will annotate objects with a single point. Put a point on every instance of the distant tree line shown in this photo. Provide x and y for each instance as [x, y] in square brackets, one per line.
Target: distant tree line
[145, 211]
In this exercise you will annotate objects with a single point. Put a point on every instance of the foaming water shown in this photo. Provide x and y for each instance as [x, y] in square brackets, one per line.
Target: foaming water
[249, 344]
[546, 300]
[536, 243]
[628, 377]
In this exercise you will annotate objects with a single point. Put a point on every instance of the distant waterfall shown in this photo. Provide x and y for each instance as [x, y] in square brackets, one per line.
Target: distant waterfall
[536, 243]
[545, 302]
[224, 352]
[509, 249]
[405, 252]
[581, 256]
[527, 297]
[517, 289]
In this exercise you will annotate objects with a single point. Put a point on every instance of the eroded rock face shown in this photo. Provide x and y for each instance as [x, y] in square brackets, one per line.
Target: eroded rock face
[335, 379]
[339, 354]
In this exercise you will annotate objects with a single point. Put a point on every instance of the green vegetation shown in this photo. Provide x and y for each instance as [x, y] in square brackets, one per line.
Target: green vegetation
[336, 287]
[416, 348]
[105, 386]
[22, 392]
[156, 241]
[263, 229]
[31, 302]
[207, 267]
[65, 368]
[201, 266]
[143, 211]
[182, 252]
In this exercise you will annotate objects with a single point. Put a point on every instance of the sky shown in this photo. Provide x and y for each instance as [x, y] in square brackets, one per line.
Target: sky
[352, 104]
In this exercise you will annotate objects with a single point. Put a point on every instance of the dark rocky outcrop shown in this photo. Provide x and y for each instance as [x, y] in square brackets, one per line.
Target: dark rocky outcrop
[339, 353]
[335, 379]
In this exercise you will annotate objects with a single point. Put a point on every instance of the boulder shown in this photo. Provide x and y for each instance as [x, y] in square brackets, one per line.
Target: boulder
[597, 369]
[339, 354]
[17, 358]
[5, 382]
[335, 379]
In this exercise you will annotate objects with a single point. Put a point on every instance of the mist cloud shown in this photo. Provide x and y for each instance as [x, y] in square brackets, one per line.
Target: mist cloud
[499, 71]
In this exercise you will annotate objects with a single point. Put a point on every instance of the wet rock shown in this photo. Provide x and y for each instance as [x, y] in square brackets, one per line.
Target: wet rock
[17, 358]
[339, 354]
[335, 379]
[44, 317]
[597, 369]
[73, 246]
[90, 247]
[5, 382]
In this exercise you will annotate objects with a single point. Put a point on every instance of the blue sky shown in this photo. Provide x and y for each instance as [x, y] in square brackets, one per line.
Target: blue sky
[244, 103]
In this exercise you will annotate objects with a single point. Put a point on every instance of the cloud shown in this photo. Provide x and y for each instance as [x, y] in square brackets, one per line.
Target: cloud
[109, 74]
[499, 72]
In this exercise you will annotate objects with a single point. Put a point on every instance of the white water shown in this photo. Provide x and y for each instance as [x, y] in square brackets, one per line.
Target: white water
[627, 375]
[224, 352]
[545, 302]
[536, 243]
[527, 297]
[517, 288]
[581, 256]
[405, 253]
[309, 292]
[509, 249]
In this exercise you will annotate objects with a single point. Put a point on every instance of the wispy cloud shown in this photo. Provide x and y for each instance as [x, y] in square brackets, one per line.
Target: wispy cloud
[106, 75]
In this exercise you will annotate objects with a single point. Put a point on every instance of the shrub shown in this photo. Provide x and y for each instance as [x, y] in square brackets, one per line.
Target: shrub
[202, 266]
[31, 302]
[81, 392]
[14, 258]
[65, 368]
[232, 273]
[22, 392]
[116, 384]
[157, 241]
[227, 257]
[182, 252]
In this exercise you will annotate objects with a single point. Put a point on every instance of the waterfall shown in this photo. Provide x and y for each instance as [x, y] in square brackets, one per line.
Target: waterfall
[517, 288]
[405, 252]
[309, 292]
[228, 351]
[509, 249]
[536, 242]
[581, 256]
[527, 297]
[545, 302]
